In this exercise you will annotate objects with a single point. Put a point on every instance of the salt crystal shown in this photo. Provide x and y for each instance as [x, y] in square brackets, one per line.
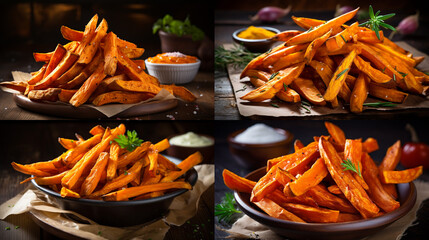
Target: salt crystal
[195, 112]
[260, 133]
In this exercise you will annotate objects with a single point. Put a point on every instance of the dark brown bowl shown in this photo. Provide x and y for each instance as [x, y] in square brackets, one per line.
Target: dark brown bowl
[253, 156]
[182, 152]
[255, 45]
[338, 231]
[123, 213]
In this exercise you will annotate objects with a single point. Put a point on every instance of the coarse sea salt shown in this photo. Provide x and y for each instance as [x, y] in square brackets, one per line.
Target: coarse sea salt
[259, 133]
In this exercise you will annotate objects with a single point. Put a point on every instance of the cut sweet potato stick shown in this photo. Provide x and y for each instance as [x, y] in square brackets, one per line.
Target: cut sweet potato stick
[314, 45]
[337, 42]
[376, 191]
[135, 191]
[336, 133]
[169, 165]
[404, 58]
[30, 170]
[359, 93]
[97, 130]
[269, 89]
[85, 91]
[306, 88]
[286, 94]
[392, 157]
[256, 62]
[326, 199]
[369, 36]
[375, 74]
[370, 145]
[51, 180]
[348, 217]
[72, 156]
[87, 35]
[38, 76]
[112, 164]
[55, 59]
[335, 190]
[285, 35]
[310, 178]
[236, 182]
[132, 70]
[353, 191]
[50, 94]
[353, 153]
[275, 210]
[404, 176]
[388, 94]
[67, 143]
[110, 54]
[152, 154]
[65, 192]
[134, 86]
[287, 61]
[312, 214]
[275, 56]
[66, 94]
[185, 165]
[318, 31]
[89, 51]
[162, 145]
[130, 157]
[91, 181]
[121, 97]
[297, 145]
[180, 92]
[339, 77]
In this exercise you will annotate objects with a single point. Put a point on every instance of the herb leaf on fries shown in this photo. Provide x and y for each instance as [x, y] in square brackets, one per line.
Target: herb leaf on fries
[129, 142]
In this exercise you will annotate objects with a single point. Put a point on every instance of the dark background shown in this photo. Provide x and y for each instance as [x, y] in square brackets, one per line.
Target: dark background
[386, 132]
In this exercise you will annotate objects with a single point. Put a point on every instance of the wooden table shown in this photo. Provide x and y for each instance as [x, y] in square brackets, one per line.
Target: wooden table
[31, 141]
[386, 132]
[226, 22]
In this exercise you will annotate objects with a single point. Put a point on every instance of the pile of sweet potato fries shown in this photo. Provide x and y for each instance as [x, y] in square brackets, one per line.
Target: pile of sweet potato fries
[99, 168]
[332, 179]
[331, 60]
[95, 67]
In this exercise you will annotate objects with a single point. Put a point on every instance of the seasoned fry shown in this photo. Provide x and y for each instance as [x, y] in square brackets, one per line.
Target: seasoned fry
[110, 54]
[359, 93]
[404, 176]
[310, 178]
[91, 181]
[85, 91]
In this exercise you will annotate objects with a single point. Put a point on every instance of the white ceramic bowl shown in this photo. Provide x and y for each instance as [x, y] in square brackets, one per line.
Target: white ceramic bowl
[173, 73]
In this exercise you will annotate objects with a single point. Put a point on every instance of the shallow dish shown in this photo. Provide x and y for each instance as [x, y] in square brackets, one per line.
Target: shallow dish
[173, 73]
[182, 152]
[123, 213]
[339, 231]
[255, 45]
[253, 156]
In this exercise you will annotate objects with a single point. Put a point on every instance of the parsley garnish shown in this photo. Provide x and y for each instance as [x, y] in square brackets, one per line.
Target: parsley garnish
[226, 210]
[376, 21]
[348, 165]
[7, 228]
[130, 142]
[341, 73]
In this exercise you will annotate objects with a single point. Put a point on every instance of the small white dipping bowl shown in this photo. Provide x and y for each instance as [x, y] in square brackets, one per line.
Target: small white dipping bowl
[173, 73]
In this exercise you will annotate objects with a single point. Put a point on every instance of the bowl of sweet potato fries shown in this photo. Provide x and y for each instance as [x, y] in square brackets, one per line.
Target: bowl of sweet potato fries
[328, 189]
[113, 178]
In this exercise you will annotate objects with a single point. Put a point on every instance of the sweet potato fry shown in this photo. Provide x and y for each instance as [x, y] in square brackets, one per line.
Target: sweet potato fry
[55, 59]
[67, 143]
[334, 189]
[297, 144]
[388, 94]
[306, 88]
[65, 192]
[50, 94]
[312, 214]
[269, 89]
[275, 56]
[181, 92]
[392, 157]
[326, 199]
[30, 170]
[376, 191]
[70, 74]
[88, 34]
[132, 70]
[81, 77]
[369, 36]
[404, 176]
[256, 62]
[121, 97]
[314, 45]
[353, 152]
[274, 210]
[285, 35]
[375, 74]
[353, 192]
[51, 180]
[336, 133]
[42, 57]
[404, 58]
[135, 191]
[73, 155]
[38, 76]
[88, 51]
[66, 94]
[169, 165]
[91, 181]
[112, 164]
[348, 217]
[185, 165]
[110, 54]
[336, 42]
[318, 31]
[134, 86]
[152, 154]
[130, 157]
[85, 91]
[310, 178]
[370, 145]
[287, 61]
[359, 93]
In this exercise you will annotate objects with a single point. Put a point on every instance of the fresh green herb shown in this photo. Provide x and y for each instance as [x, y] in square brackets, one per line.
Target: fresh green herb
[72, 141]
[99, 233]
[278, 77]
[7, 228]
[304, 105]
[285, 86]
[394, 77]
[237, 56]
[16, 227]
[273, 76]
[341, 73]
[380, 104]
[242, 89]
[262, 91]
[311, 28]
[130, 142]
[384, 69]
[125, 173]
[348, 165]
[319, 95]
[274, 105]
[402, 73]
[376, 20]
[226, 210]
[177, 27]
[343, 38]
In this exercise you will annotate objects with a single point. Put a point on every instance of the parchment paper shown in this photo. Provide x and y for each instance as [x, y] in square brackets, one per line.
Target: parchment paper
[245, 227]
[41, 205]
[265, 108]
[108, 110]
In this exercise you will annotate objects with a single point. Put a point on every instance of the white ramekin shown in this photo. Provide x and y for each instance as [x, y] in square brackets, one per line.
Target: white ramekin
[173, 73]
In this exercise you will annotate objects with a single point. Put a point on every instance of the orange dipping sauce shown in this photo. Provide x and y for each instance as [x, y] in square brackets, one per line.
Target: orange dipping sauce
[172, 58]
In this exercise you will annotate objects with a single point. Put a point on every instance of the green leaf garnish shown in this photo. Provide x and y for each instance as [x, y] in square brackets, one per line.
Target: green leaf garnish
[343, 38]
[341, 73]
[242, 89]
[273, 76]
[129, 142]
[170, 25]
[304, 105]
[226, 210]
[376, 20]
[348, 165]
[380, 104]
[285, 86]
[274, 105]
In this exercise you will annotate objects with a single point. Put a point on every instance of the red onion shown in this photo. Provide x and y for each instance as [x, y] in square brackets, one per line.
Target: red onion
[341, 10]
[408, 25]
[271, 14]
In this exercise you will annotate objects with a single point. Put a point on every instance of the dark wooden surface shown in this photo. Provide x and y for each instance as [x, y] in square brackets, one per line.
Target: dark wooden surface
[228, 21]
[31, 141]
[386, 132]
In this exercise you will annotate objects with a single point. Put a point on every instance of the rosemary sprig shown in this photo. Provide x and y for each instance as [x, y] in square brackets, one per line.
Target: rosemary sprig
[237, 55]
[341, 73]
[274, 105]
[343, 38]
[242, 89]
[380, 104]
[285, 86]
[348, 165]
[376, 20]
[273, 76]
[226, 210]
[304, 105]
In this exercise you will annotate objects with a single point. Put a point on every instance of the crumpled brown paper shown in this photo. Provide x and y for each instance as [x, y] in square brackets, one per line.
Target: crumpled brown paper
[246, 227]
[242, 86]
[42, 207]
[109, 110]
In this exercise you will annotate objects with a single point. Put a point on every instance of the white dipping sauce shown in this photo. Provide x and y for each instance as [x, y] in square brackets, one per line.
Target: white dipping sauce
[191, 139]
[259, 133]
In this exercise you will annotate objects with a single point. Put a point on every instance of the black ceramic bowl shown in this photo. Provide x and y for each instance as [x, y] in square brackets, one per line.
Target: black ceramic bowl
[120, 214]
[255, 45]
[338, 231]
